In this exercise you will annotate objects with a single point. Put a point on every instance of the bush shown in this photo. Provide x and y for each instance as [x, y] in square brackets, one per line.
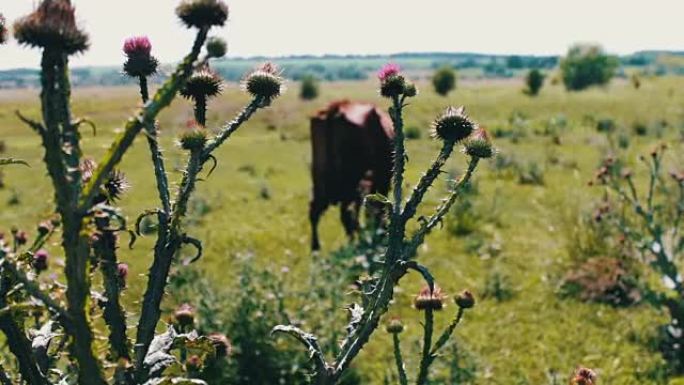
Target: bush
[534, 82]
[412, 133]
[585, 66]
[444, 80]
[309, 88]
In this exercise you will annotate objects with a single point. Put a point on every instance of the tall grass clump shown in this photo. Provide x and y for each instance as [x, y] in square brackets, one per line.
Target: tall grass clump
[452, 128]
[63, 347]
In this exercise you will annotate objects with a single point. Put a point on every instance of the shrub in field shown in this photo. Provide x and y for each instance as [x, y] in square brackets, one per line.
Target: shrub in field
[444, 80]
[648, 214]
[534, 82]
[63, 347]
[585, 66]
[376, 291]
[309, 88]
[413, 132]
[530, 173]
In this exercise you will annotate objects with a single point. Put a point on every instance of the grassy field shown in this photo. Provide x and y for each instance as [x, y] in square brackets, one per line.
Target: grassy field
[257, 199]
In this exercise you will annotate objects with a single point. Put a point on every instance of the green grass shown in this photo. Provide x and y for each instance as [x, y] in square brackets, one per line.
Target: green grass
[514, 342]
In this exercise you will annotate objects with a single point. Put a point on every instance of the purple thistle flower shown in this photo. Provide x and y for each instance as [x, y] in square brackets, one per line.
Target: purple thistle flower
[40, 260]
[137, 46]
[389, 69]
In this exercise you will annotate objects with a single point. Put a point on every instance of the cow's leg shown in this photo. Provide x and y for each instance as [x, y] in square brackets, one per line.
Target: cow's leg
[350, 217]
[316, 209]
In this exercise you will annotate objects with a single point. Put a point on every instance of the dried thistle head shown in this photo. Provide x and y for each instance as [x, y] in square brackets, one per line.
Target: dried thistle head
[429, 300]
[453, 125]
[202, 13]
[479, 144]
[265, 82]
[216, 47]
[202, 85]
[139, 60]
[52, 25]
[115, 185]
[583, 376]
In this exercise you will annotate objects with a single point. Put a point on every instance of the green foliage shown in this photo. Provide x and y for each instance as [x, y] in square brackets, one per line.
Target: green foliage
[309, 88]
[585, 66]
[413, 133]
[534, 81]
[444, 80]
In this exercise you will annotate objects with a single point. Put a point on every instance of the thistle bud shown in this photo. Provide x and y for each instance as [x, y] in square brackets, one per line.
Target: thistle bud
[429, 300]
[677, 176]
[394, 326]
[40, 261]
[44, 228]
[122, 273]
[194, 138]
[222, 346]
[52, 25]
[20, 237]
[202, 13]
[264, 82]
[185, 315]
[216, 47]
[202, 85]
[465, 300]
[139, 61]
[583, 376]
[194, 363]
[3, 29]
[410, 90]
[453, 125]
[479, 145]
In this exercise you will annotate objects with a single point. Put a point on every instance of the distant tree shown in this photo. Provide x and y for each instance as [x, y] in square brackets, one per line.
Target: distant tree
[636, 81]
[309, 88]
[534, 81]
[444, 80]
[587, 65]
[514, 62]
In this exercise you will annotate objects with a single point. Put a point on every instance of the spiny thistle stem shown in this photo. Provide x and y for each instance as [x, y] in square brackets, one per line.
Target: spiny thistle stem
[419, 237]
[444, 338]
[114, 315]
[201, 110]
[427, 179]
[55, 112]
[399, 360]
[427, 347]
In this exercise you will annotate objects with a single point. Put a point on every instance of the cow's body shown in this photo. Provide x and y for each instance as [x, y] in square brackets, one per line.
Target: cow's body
[352, 156]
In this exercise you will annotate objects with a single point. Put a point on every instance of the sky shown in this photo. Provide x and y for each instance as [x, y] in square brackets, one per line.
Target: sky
[285, 27]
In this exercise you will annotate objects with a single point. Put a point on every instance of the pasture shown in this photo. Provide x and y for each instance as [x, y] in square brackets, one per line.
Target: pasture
[256, 202]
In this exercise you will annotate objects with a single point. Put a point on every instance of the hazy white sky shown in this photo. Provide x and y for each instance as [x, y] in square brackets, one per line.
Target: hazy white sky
[282, 27]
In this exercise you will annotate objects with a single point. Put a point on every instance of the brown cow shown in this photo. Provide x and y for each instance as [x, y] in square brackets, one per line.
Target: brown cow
[352, 156]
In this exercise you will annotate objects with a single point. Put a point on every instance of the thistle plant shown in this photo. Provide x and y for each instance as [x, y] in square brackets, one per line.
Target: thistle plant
[649, 216]
[400, 256]
[90, 224]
